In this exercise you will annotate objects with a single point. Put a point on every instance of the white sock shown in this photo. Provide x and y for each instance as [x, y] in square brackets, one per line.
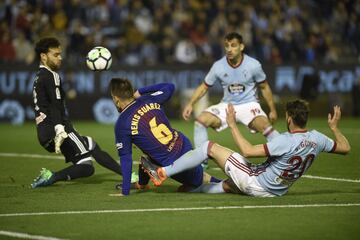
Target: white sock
[210, 188]
[189, 160]
[200, 134]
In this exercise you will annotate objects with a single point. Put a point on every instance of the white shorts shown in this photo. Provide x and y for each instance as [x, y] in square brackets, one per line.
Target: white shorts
[238, 169]
[245, 113]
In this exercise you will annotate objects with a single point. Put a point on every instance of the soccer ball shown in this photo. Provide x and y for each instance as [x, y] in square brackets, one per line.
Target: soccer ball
[98, 59]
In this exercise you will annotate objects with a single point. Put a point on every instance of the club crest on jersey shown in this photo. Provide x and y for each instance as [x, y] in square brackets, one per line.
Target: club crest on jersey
[236, 88]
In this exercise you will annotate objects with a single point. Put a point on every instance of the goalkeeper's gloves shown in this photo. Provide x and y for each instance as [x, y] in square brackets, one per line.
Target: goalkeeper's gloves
[60, 136]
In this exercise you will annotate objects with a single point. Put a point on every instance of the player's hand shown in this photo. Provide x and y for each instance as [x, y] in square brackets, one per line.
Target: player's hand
[133, 186]
[60, 136]
[116, 195]
[334, 119]
[273, 116]
[137, 94]
[230, 116]
[187, 112]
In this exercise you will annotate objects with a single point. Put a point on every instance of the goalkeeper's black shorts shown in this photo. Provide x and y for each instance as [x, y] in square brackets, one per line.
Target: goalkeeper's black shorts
[75, 147]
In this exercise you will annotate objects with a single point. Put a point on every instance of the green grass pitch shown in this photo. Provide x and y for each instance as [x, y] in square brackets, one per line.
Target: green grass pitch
[317, 212]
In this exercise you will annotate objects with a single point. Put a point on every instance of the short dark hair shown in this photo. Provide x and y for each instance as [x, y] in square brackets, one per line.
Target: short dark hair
[298, 110]
[234, 35]
[43, 45]
[122, 88]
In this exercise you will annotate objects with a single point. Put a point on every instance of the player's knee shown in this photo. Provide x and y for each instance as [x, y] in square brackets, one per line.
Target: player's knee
[90, 142]
[87, 169]
[260, 123]
[200, 123]
[210, 148]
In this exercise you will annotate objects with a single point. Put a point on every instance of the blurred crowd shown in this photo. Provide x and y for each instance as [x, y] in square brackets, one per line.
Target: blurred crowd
[150, 32]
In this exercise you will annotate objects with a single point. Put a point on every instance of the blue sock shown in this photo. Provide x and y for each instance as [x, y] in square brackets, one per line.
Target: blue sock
[189, 160]
[215, 180]
[210, 188]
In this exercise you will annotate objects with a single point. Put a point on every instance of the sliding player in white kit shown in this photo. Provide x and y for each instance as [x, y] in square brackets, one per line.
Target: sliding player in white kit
[240, 76]
[289, 154]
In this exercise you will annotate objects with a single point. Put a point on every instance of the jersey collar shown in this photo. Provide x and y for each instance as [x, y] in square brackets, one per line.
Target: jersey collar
[43, 66]
[299, 131]
[130, 104]
[237, 65]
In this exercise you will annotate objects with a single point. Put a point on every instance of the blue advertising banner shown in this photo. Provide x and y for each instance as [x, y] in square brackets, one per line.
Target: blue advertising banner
[88, 95]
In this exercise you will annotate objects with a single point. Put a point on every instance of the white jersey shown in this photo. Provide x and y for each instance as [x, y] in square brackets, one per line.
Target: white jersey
[290, 155]
[239, 82]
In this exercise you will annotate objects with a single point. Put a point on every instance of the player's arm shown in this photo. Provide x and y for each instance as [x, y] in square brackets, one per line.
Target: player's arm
[342, 145]
[199, 93]
[124, 148]
[164, 91]
[126, 169]
[246, 148]
[268, 96]
[52, 88]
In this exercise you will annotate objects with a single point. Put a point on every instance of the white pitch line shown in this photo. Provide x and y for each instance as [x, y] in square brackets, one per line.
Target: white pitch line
[26, 155]
[321, 178]
[27, 236]
[332, 179]
[178, 209]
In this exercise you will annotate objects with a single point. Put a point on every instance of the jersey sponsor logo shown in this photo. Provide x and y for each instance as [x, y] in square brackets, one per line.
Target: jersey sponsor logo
[141, 112]
[173, 142]
[236, 88]
[119, 146]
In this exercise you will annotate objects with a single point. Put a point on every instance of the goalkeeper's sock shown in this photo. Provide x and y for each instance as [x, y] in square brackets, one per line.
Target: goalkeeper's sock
[105, 160]
[73, 172]
[189, 160]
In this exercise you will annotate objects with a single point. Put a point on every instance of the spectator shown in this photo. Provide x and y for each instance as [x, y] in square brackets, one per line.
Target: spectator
[7, 50]
[294, 31]
[23, 49]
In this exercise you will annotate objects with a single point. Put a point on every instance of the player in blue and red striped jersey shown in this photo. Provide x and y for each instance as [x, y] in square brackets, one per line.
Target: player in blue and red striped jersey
[143, 122]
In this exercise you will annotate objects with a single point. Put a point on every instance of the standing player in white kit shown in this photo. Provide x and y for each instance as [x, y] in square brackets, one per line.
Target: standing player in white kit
[240, 75]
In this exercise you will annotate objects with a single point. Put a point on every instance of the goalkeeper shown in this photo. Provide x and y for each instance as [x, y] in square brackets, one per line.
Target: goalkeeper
[54, 129]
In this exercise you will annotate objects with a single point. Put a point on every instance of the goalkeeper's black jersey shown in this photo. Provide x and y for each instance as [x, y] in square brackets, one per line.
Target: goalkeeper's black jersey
[49, 97]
